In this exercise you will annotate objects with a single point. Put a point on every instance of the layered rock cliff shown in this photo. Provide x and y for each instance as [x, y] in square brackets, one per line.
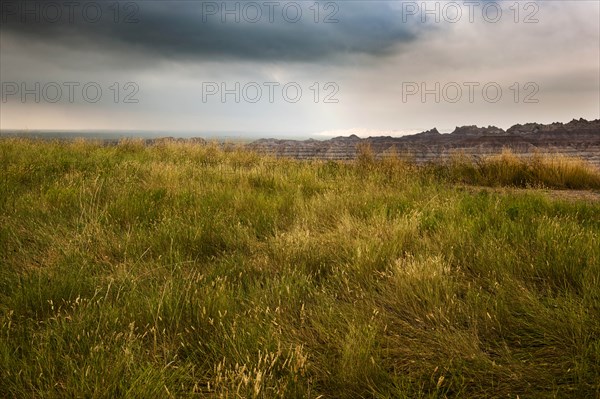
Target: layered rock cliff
[578, 138]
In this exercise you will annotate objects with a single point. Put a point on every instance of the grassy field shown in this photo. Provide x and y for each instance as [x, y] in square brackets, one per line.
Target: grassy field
[189, 271]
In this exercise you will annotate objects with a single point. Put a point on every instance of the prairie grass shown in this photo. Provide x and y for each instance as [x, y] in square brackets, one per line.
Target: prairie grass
[538, 170]
[182, 270]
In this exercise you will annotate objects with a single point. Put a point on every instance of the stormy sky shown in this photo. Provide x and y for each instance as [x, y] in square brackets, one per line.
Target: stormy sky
[280, 68]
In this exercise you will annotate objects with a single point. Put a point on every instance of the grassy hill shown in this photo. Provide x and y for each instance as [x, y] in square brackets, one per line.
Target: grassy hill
[181, 270]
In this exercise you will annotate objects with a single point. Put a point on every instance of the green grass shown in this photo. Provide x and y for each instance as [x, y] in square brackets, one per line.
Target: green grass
[188, 271]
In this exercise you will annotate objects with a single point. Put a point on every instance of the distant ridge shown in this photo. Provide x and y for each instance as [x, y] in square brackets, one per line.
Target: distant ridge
[578, 138]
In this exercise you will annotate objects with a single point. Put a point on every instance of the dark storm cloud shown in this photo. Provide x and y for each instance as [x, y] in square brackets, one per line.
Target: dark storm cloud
[195, 30]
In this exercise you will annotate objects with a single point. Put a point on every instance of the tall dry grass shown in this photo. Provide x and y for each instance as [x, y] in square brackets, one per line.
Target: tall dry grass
[188, 271]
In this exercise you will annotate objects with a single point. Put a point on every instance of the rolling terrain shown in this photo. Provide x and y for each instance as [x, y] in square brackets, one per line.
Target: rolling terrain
[194, 270]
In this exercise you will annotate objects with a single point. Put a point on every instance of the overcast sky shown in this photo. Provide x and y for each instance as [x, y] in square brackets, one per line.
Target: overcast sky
[273, 68]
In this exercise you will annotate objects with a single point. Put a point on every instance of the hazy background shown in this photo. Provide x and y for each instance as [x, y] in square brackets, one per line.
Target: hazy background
[364, 54]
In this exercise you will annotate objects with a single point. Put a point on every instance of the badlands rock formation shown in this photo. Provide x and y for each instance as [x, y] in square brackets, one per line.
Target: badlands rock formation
[578, 138]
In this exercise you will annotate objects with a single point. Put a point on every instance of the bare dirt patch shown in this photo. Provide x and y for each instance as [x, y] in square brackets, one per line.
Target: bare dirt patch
[569, 195]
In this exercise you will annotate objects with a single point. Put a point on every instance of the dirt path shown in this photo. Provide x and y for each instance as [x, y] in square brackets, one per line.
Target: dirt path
[569, 195]
[574, 195]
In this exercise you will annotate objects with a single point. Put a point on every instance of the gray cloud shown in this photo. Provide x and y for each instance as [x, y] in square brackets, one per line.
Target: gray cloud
[171, 52]
[190, 30]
